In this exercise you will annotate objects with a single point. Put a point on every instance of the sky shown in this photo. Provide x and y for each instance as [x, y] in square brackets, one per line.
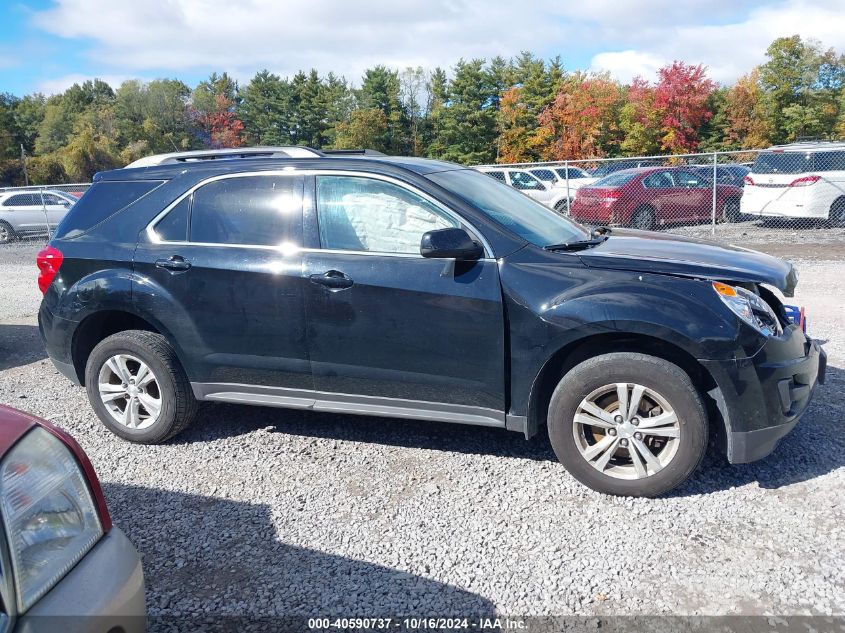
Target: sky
[47, 45]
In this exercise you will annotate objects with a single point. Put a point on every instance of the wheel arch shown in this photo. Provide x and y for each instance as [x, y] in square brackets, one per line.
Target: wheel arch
[102, 324]
[568, 356]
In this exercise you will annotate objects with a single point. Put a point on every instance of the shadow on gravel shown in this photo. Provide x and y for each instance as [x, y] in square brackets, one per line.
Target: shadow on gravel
[20, 345]
[217, 421]
[815, 447]
[211, 556]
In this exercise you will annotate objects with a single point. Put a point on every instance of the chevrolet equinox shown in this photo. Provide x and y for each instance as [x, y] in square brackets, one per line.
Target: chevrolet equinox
[412, 288]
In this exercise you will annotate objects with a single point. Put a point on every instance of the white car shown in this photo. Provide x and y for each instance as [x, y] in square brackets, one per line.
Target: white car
[528, 184]
[800, 180]
[31, 212]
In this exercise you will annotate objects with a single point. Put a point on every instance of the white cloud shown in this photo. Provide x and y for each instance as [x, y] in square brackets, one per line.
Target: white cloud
[60, 84]
[625, 65]
[625, 38]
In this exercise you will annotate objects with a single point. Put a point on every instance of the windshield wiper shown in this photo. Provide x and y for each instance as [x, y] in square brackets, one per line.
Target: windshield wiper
[578, 245]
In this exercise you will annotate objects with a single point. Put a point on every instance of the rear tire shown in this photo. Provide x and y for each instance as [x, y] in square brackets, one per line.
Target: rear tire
[675, 444]
[7, 234]
[138, 388]
[731, 210]
[643, 219]
[836, 216]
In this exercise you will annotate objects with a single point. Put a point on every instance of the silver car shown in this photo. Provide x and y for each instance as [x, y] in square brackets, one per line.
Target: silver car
[31, 212]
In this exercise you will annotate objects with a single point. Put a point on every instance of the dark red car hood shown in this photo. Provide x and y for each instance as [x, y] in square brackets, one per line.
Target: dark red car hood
[664, 253]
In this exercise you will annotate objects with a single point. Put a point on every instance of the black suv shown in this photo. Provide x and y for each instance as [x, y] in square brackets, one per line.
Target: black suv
[411, 288]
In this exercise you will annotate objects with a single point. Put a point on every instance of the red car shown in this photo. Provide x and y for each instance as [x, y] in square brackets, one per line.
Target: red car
[64, 566]
[654, 196]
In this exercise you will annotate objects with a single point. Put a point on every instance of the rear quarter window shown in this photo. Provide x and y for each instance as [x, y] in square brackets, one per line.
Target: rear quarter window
[102, 200]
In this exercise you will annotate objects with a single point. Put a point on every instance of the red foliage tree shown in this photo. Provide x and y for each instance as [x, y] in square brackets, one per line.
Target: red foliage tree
[680, 97]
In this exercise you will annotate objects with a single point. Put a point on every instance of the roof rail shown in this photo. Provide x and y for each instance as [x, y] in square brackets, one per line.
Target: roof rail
[288, 151]
[352, 152]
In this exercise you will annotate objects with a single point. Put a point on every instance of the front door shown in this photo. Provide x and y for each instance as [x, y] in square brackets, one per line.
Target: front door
[227, 260]
[389, 331]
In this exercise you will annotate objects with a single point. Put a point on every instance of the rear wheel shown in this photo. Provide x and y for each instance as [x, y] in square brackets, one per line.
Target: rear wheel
[7, 234]
[138, 388]
[628, 424]
[643, 218]
[730, 210]
[836, 217]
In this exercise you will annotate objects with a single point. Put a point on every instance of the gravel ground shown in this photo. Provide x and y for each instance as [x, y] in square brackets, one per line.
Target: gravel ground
[265, 511]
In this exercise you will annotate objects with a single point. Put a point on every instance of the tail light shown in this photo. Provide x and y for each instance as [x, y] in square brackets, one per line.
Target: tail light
[49, 260]
[806, 181]
[748, 180]
[609, 198]
[53, 509]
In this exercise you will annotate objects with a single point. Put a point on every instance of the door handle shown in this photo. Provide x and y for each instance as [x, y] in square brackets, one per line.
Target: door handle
[176, 263]
[332, 279]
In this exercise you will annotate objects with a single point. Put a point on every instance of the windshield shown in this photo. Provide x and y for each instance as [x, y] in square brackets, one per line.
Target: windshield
[615, 180]
[515, 211]
[783, 163]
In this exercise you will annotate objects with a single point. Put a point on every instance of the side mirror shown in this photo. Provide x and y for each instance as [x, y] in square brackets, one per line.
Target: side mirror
[450, 244]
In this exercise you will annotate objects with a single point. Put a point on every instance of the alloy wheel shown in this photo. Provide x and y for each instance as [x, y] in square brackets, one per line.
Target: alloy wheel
[130, 391]
[626, 431]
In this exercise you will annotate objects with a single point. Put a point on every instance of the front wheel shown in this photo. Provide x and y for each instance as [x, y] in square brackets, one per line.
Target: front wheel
[138, 388]
[628, 424]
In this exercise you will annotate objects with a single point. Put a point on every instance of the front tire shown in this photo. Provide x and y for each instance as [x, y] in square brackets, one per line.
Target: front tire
[138, 388]
[628, 424]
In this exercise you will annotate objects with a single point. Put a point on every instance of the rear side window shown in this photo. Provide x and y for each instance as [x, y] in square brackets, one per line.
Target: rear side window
[616, 180]
[173, 227]
[102, 200]
[23, 200]
[247, 211]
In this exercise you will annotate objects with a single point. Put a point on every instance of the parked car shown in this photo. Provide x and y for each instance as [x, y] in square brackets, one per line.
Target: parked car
[565, 179]
[611, 166]
[725, 174]
[65, 566]
[31, 212]
[654, 196]
[800, 180]
[412, 288]
[529, 184]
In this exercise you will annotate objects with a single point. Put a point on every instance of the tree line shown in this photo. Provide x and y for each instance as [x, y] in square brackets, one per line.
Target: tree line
[484, 111]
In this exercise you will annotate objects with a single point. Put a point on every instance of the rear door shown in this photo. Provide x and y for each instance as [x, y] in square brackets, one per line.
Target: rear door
[389, 331]
[56, 208]
[223, 269]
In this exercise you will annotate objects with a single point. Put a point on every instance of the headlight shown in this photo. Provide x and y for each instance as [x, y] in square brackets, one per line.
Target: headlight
[48, 512]
[750, 308]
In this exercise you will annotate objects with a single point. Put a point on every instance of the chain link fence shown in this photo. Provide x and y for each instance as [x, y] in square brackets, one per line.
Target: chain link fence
[34, 212]
[742, 197]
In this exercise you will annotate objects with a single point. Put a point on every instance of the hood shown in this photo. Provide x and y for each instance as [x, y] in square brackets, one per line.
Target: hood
[667, 254]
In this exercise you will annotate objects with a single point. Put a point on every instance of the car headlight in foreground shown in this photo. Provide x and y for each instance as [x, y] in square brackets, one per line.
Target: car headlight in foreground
[750, 308]
[50, 517]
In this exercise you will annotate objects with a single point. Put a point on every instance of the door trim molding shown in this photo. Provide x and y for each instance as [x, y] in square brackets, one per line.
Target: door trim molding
[348, 403]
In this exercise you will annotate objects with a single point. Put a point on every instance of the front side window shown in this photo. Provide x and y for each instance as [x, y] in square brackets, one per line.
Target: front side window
[546, 175]
[247, 211]
[364, 214]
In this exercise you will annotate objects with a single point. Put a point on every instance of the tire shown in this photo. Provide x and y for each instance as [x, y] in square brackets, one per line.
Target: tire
[7, 234]
[643, 219]
[730, 210]
[169, 389]
[574, 443]
[836, 216]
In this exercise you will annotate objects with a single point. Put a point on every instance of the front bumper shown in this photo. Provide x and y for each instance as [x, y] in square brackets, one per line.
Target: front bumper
[762, 398]
[103, 592]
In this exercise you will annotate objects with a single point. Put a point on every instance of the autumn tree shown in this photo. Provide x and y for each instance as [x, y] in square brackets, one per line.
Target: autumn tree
[680, 98]
[748, 126]
[581, 122]
[212, 110]
[366, 128]
[639, 120]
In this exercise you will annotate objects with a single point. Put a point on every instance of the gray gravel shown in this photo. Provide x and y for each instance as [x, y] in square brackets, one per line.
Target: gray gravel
[264, 511]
